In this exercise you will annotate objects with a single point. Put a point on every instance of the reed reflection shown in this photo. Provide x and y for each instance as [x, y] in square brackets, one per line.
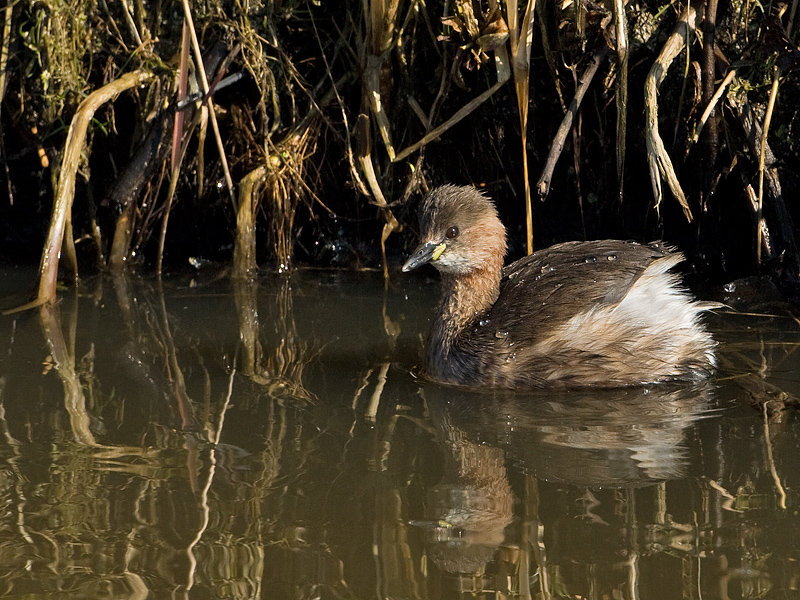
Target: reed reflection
[62, 353]
[270, 442]
[280, 367]
[154, 479]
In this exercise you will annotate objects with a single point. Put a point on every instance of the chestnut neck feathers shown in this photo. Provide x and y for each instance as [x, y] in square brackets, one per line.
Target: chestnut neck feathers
[472, 263]
[465, 240]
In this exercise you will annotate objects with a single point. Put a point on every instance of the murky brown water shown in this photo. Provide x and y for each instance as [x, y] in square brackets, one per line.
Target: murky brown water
[271, 441]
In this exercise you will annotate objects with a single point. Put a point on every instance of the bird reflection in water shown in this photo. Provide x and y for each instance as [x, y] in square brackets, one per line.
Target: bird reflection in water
[623, 439]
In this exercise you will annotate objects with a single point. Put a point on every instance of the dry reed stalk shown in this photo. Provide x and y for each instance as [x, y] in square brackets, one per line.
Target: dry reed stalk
[687, 65]
[183, 81]
[179, 145]
[657, 157]
[65, 190]
[520, 41]
[549, 53]
[8, 11]
[131, 23]
[201, 70]
[781, 247]
[503, 75]
[711, 105]
[380, 25]
[283, 196]
[621, 34]
[280, 178]
[202, 133]
[286, 185]
[766, 238]
[372, 76]
[351, 161]
[543, 185]
[391, 224]
[776, 74]
[173, 185]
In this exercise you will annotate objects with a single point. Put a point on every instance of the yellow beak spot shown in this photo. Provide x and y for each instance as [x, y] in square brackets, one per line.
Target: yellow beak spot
[438, 251]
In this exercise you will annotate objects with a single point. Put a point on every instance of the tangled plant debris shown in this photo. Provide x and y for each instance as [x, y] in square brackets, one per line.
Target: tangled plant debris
[278, 133]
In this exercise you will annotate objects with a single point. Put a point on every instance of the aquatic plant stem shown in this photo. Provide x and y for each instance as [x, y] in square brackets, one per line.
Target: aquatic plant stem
[244, 249]
[776, 74]
[549, 53]
[782, 247]
[68, 252]
[64, 359]
[65, 190]
[206, 516]
[771, 460]
[121, 240]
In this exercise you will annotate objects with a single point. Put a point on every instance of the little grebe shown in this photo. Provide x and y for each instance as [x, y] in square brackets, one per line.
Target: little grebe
[604, 313]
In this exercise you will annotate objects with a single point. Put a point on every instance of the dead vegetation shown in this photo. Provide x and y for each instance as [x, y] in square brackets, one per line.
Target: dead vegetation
[291, 126]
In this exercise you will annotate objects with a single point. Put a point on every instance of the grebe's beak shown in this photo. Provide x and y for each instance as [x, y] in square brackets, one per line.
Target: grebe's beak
[424, 253]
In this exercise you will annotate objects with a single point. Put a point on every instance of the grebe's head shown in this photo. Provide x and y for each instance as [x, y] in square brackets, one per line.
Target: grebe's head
[460, 232]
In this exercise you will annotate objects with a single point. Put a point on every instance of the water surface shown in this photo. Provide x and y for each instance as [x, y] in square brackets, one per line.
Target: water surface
[193, 438]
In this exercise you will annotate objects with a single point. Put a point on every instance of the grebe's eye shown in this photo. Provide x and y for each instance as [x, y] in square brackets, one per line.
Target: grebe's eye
[451, 233]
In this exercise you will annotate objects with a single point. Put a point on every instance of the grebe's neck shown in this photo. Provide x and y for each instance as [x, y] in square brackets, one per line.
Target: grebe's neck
[466, 298]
